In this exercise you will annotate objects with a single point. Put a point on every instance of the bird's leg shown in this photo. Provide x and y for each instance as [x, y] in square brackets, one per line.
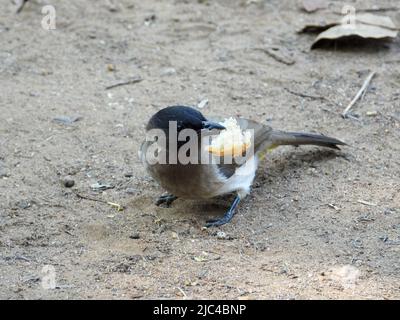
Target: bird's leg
[166, 199]
[21, 5]
[227, 217]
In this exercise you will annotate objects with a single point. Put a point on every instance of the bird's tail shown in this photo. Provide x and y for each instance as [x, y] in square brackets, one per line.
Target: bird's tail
[279, 138]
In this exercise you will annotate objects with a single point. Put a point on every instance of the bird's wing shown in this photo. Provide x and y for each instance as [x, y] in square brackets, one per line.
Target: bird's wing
[261, 133]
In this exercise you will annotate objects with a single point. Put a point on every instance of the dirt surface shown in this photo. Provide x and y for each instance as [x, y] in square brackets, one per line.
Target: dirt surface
[318, 224]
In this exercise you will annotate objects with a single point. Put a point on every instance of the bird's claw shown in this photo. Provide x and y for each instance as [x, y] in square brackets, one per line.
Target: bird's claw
[166, 200]
[218, 222]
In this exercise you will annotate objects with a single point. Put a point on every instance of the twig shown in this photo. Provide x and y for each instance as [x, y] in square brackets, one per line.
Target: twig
[304, 95]
[279, 54]
[329, 111]
[115, 205]
[331, 205]
[183, 292]
[19, 257]
[367, 203]
[227, 69]
[89, 198]
[359, 93]
[124, 83]
[349, 116]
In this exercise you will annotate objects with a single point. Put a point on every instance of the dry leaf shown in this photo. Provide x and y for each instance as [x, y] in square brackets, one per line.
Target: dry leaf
[363, 18]
[318, 26]
[373, 20]
[357, 30]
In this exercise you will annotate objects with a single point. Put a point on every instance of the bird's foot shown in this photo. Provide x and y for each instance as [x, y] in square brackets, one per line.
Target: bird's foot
[226, 218]
[166, 200]
[219, 222]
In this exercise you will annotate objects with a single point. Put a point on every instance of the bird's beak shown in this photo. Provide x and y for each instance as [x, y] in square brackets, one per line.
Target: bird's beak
[212, 125]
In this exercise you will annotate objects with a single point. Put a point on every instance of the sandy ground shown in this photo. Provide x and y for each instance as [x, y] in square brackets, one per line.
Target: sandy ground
[303, 232]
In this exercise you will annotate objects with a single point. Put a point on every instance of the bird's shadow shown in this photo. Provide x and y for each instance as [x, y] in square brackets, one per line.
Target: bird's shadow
[293, 160]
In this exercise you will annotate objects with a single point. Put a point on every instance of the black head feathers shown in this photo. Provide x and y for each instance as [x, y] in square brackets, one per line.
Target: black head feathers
[185, 117]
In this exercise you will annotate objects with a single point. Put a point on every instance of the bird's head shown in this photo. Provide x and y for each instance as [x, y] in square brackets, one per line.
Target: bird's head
[185, 118]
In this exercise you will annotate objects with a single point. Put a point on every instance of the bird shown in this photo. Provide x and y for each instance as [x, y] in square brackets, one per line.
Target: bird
[197, 180]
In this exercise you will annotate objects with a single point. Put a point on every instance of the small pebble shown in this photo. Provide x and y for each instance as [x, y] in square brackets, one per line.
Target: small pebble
[4, 174]
[175, 235]
[128, 175]
[67, 120]
[203, 103]
[111, 67]
[222, 235]
[99, 186]
[131, 191]
[168, 72]
[134, 235]
[372, 113]
[23, 204]
[150, 19]
[68, 182]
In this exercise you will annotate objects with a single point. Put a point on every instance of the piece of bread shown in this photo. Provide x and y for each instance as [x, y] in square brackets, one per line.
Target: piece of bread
[231, 141]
